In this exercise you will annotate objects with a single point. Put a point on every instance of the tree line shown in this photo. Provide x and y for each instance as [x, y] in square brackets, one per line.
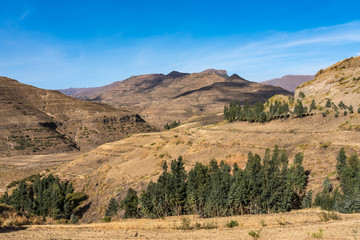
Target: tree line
[44, 196]
[174, 124]
[257, 112]
[265, 185]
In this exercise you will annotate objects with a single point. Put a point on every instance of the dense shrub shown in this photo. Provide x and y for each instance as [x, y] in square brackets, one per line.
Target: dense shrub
[44, 196]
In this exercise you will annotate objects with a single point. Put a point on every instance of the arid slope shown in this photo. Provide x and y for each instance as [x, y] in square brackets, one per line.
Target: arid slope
[339, 82]
[37, 121]
[111, 168]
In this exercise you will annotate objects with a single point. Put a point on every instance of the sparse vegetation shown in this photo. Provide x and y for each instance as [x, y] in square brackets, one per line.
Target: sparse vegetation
[255, 234]
[325, 145]
[327, 216]
[185, 224]
[106, 219]
[319, 234]
[232, 223]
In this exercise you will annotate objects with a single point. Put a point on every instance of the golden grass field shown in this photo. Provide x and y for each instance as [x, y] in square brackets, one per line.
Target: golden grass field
[300, 224]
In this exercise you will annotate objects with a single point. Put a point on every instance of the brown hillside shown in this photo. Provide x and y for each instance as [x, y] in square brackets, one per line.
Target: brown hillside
[111, 168]
[339, 82]
[37, 121]
[289, 82]
[161, 99]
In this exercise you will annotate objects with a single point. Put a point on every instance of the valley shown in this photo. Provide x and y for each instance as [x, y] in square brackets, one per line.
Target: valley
[104, 147]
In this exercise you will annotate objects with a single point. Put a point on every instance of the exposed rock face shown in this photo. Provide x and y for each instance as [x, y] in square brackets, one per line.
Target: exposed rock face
[37, 121]
[289, 82]
[339, 82]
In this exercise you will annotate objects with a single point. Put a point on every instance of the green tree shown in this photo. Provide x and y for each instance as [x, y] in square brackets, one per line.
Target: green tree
[112, 208]
[307, 201]
[299, 109]
[351, 109]
[312, 105]
[301, 95]
[328, 103]
[342, 105]
[130, 204]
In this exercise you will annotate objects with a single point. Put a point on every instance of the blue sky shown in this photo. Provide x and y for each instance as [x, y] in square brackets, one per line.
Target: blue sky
[61, 44]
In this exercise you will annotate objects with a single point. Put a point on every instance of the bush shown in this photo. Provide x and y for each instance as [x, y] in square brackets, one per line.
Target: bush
[106, 219]
[301, 95]
[327, 216]
[255, 234]
[318, 234]
[345, 113]
[185, 224]
[210, 225]
[323, 114]
[232, 223]
[359, 110]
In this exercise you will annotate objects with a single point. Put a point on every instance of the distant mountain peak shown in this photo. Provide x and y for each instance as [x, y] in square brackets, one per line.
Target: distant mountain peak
[176, 74]
[222, 73]
[236, 77]
[289, 82]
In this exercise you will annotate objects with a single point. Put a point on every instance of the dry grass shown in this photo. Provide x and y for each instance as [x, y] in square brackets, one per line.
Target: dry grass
[302, 224]
[9, 218]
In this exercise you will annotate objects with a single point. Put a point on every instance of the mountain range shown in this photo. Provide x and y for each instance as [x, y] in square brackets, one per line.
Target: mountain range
[162, 99]
[289, 82]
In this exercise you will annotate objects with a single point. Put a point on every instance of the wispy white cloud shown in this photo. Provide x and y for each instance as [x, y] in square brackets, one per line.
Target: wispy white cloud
[47, 62]
[26, 13]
